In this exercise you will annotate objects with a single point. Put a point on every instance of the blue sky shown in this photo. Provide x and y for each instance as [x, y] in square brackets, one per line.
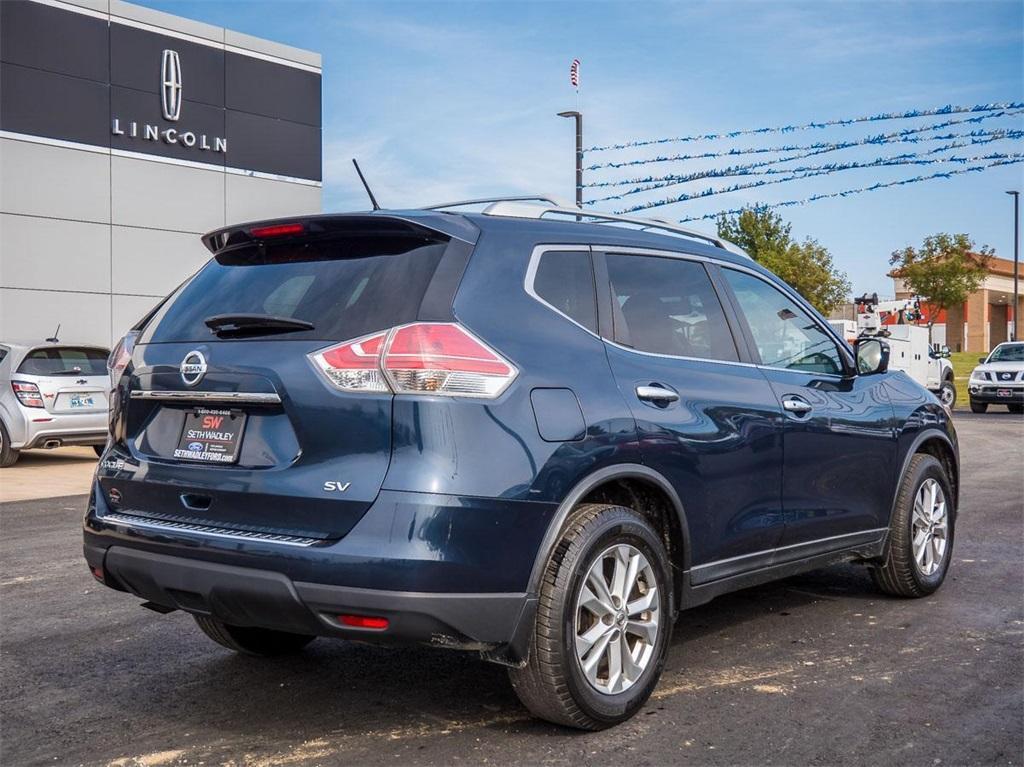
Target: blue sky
[442, 100]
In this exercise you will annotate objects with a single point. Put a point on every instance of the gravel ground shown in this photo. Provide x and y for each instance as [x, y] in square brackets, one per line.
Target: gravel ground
[816, 669]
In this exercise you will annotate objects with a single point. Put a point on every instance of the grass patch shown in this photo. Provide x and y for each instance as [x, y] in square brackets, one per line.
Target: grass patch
[963, 364]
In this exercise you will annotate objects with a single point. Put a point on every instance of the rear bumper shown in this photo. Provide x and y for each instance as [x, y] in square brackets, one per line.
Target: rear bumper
[446, 571]
[243, 596]
[68, 429]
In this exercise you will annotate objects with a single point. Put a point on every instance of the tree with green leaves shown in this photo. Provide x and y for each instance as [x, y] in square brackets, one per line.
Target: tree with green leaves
[806, 266]
[944, 271]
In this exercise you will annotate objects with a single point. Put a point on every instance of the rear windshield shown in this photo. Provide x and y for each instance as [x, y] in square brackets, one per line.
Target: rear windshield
[345, 286]
[64, 361]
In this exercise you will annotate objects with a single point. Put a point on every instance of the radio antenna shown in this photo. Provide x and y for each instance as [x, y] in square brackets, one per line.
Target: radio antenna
[54, 339]
[373, 200]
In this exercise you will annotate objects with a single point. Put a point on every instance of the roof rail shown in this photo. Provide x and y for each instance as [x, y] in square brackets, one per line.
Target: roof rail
[527, 208]
[489, 200]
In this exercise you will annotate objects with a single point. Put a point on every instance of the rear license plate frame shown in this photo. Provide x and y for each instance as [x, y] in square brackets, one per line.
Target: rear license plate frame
[211, 441]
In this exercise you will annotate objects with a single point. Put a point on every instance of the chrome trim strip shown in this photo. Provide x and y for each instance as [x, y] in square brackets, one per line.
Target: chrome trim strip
[531, 273]
[540, 250]
[816, 541]
[145, 523]
[241, 397]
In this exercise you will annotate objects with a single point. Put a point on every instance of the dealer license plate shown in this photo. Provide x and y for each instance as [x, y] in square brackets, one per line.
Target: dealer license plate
[1004, 392]
[210, 436]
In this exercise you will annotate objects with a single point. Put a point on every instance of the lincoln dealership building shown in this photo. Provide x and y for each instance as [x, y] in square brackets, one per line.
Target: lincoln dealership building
[125, 133]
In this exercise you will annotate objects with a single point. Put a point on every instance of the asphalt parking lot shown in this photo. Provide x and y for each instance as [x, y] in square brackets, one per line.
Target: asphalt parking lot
[819, 669]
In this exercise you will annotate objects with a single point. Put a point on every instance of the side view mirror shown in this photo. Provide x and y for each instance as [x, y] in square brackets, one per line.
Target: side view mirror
[872, 356]
[981, 360]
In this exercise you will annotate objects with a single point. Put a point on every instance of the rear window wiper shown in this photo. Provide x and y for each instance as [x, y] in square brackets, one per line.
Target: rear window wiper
[254, 324]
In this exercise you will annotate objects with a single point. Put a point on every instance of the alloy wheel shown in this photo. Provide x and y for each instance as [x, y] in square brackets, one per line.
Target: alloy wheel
[617, 618]
[930, 527]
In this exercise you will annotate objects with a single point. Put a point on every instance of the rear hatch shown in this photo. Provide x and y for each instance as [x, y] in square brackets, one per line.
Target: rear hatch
[233, 423]
[70, 380]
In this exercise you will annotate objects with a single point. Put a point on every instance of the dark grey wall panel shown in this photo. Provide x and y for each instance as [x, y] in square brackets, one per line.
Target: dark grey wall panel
[43, 37]
[55, 106]
[144, 108]
[68, 76]
[272, 90]
[273, 146]
[135, 56]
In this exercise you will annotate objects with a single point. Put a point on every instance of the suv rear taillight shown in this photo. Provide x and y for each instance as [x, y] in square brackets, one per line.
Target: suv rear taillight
[27, 393]
[422, 358]
[354, 365]
[120, 357]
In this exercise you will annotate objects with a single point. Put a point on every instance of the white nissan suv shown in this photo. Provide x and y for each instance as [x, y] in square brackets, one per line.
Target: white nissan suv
[999, 379]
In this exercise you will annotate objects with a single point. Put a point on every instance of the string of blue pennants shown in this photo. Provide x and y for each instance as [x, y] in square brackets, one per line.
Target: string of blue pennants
[812, 173]
[791, 152]
[948, 109]
[850, 192]
[908, 135]
[761, 169]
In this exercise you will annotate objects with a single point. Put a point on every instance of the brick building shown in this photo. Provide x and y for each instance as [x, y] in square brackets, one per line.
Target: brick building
[985, 319]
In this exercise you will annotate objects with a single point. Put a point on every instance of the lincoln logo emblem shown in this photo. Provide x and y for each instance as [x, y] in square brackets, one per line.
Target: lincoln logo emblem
[193, 368]
[170, 90]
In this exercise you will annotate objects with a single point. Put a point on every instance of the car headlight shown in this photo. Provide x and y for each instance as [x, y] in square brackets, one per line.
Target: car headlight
[979, 375]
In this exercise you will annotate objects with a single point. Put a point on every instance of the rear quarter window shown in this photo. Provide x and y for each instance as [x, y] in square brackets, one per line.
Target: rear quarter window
[565, 281]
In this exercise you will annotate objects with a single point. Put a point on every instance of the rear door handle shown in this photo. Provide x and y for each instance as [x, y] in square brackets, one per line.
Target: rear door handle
[791, 403]
[656, 393]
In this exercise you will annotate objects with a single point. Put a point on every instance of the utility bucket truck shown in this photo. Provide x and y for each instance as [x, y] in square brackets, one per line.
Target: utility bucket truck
[910, 350]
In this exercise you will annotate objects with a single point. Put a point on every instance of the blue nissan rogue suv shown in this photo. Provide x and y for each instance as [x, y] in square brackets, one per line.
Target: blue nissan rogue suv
[527, 432]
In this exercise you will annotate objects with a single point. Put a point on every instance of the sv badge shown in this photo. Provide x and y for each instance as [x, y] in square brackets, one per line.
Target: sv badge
[336, 487]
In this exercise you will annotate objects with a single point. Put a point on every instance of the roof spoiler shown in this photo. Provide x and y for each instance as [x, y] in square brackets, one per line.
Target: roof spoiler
[394, 222]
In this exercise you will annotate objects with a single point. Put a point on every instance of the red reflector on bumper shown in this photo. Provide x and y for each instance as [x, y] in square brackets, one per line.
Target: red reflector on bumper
[97, 573]
[363, 621]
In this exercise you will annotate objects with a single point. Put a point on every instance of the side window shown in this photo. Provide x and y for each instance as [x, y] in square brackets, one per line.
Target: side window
[565, 279]
[668, 306]
[786, 336]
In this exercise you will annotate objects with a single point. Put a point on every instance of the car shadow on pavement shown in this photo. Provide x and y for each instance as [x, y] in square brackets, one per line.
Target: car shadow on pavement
[62, 456]
[342, 691]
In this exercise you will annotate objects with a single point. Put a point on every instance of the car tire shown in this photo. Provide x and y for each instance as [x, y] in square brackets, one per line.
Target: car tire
[978, 407]
[921, 532]
[1015, 408]
[8, 455]
[597, 541]
[947, 394]
[250, 640]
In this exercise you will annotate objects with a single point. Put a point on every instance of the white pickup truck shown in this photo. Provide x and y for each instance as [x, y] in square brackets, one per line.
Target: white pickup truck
[910, 350]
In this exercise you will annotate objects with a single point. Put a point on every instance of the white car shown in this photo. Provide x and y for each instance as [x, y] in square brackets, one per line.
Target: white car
[999, 379]
[52, 394]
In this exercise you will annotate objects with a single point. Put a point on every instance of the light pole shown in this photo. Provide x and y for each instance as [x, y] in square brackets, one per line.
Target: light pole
[1016, 263]
[579, 154]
